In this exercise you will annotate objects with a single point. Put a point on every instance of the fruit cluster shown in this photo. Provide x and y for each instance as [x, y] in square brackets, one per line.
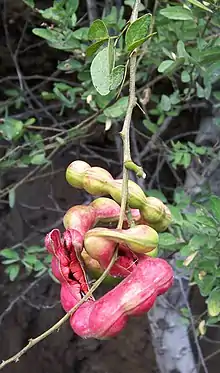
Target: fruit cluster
[99, 182]
[86, 249]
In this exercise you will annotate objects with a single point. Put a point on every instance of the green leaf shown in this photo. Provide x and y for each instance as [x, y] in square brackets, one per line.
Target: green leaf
[164, 66]
[181, 51]
[177, 13]
[152, 127]
[111, 55]
[199, 90]
[11, 198]
[185, 77]
[30, 121]
[69, 65]
[30, 3]
[215, 207]
[165, 103]
[73, 20]
[38, 159]
[137, 32]
[71, 5]
[116, 76]
[9, 254]
[98, 30]
[199, 5]
[214, 302]
[35, 249]
[54, 13]
[206, 284]
[94, 47]
[177, 217]
[186, 250]
[11, 129]
[100, 72]
[81, 33]
[13, 271]
[118, 109]
[46, 34]
[210, 55]
[166, 239]
[186, 160]
[30, 259]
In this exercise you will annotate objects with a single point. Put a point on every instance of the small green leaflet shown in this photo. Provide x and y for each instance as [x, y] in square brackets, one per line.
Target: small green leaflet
[177, 13]
[116, 76]
[164, 66]
[11, 129]
[166, 239]
[94, 47]
[98, 30]
[118, 109]
[100, 72]
[214, 302]
[13, 271]
[137, 32]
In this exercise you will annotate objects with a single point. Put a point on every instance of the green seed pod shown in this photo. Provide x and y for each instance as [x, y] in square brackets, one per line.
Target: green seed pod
[96, 181]
[140, 239]
[136, 196]
[153, 210]
[75, 173]
[162, 225]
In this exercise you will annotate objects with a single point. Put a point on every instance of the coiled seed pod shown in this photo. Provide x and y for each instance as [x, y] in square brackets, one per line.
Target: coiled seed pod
[75, 173]
[96, 181]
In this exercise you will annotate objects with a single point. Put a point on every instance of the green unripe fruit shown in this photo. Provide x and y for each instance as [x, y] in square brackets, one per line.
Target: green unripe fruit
[136, 196]
[153, 211]
[162, 225]
[75, 173]
[96, 181]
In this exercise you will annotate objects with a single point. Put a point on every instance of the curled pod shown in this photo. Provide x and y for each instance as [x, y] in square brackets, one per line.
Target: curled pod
[136, 196]
[96, 181]
[140, 239]
[153, 211]
[75, 173]
[80, 218]
[164, 223]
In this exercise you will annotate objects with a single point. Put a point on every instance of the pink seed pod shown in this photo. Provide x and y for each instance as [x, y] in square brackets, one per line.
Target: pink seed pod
[136, 294]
